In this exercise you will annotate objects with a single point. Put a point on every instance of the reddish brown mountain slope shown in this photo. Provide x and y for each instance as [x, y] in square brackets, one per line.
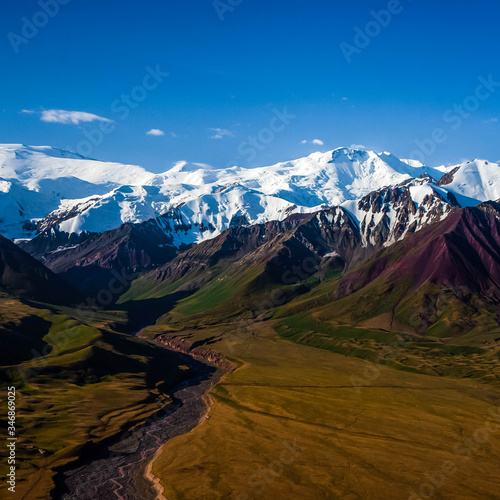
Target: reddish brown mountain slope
[463, 251]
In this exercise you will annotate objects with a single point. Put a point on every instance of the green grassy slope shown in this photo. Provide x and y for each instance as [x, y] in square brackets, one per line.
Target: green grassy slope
[86, 383]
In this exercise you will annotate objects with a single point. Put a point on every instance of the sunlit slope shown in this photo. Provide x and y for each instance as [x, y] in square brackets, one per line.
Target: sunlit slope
[291, 423]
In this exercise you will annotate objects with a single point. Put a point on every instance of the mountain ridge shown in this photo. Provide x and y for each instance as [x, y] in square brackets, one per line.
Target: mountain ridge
[43, 187]
[146, 223]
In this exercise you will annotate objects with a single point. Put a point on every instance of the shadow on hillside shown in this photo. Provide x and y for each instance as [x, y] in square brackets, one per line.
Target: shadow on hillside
[23, 341]
[142, 313]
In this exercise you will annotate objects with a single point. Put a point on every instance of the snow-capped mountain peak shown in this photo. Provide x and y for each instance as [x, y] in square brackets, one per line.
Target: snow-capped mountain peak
[43, 188]
[473, 182]
[33, 166]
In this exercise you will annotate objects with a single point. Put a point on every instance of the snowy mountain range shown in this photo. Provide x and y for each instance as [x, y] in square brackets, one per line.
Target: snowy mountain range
[43, 189]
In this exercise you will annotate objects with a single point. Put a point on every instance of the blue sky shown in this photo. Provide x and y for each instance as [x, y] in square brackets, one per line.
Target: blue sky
[228, 79]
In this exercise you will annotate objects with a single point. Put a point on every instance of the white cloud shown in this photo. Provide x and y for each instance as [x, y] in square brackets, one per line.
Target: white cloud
[70, 117]
[27, 111]
[357, 146]
[491, 120]
[155, 131]
[220, 133]
[345, 98]
[317, 142]
[174, 135]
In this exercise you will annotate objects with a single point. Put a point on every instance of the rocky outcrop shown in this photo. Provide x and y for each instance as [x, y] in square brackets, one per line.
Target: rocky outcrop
[183, 346]
[86, 260]
[462, 253]
[335, 238]
[448, 178]
[392, 213]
